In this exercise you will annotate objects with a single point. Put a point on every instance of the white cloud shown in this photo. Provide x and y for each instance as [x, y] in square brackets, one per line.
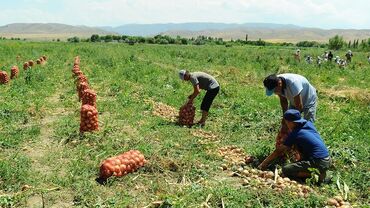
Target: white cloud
[314, 13]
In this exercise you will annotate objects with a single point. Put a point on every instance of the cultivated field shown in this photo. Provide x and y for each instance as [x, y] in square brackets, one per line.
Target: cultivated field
[45, 162]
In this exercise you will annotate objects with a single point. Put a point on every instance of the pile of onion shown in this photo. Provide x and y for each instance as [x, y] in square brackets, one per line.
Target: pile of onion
[187, 114]
[4, 78]
[14, 71]
[89, 118]
[89, 97]
[122, 164]
[338, 201]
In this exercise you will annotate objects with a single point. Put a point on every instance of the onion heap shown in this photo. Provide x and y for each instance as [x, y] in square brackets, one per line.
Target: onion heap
[338, 201]
[31, 63]
[122, 164]
[233, 156]
[89, 118]
[187, 114]
[82, 86]
[89, 97]
[14, 71]
[26, 65]
[4, 78]
[257, 179]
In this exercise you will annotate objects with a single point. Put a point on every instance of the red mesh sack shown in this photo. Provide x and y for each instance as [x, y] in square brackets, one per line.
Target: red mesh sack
[122, 164]
[26, 65]
[89, 118]
[187, 114]
[4, 78]
[89, 97]
[14, 71]
[31, 63]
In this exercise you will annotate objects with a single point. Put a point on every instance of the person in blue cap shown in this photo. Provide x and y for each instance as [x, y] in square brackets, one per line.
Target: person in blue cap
[304, 136]
[295, 92]
[204, 81]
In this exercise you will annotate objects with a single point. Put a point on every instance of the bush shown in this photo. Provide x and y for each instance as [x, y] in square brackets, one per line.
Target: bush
[336, 42]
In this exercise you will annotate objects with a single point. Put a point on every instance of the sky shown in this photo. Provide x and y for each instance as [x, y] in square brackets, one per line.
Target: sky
[326, 14]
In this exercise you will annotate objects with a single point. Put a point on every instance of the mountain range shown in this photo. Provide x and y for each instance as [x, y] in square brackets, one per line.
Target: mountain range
[266, 31]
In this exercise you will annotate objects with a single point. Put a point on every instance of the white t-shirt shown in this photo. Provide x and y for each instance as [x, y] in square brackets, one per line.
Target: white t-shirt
[297, 84]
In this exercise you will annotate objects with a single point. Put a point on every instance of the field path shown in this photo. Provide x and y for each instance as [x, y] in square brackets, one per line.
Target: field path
[45, 154]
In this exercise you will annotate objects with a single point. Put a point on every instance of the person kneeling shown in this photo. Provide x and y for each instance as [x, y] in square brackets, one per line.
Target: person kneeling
[304, 136]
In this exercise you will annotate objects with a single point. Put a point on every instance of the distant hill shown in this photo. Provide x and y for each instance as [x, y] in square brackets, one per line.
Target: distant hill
[46, 31]
[266, 31]
[154, 29]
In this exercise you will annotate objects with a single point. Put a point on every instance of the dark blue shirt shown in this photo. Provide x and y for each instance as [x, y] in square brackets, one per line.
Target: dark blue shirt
[308, 141]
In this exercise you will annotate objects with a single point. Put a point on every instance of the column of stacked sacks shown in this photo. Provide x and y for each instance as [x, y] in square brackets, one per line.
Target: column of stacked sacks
[89, 112]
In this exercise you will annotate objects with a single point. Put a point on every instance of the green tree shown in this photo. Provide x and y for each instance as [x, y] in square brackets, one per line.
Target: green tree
[95, 38]
[336, 42]
[74, 39]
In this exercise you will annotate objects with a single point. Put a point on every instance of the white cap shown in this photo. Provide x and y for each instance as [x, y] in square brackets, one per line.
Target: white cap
[182, 74]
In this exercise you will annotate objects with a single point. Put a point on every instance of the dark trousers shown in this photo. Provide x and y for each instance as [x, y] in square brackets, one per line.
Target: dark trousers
[208, 99]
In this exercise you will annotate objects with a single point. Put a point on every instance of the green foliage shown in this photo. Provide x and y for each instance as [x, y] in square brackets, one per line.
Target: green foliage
[336, 42]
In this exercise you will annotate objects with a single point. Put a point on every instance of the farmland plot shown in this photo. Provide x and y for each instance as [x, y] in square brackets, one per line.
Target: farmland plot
[45, 161]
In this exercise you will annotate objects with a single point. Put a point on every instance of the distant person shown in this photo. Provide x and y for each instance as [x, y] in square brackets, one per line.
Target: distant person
[318, 61]
[368, 59]
[297, 55]
[342, 63]
[325, 56]
[295, 92]
[337, 60]
[349, 56]
[330, 56]
[309, 59]
[304, 136]
[204, 81]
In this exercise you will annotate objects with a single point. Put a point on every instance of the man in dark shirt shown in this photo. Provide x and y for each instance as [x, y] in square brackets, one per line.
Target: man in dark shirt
[201, 80]
[304, 136]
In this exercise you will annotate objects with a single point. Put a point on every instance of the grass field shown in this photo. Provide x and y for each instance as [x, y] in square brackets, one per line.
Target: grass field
[40, 145]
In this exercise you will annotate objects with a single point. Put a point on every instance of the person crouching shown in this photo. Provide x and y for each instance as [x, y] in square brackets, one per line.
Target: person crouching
[304, 136]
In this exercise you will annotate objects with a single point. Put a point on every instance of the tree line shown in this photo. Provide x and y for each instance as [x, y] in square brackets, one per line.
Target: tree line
[335, 43]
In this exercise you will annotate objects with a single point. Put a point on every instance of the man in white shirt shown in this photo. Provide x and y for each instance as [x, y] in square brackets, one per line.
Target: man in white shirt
[294, 92]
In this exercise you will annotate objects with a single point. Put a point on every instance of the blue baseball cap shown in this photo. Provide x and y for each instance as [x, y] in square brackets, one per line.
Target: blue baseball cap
[270, 92]
[293, 115]
[270, 82]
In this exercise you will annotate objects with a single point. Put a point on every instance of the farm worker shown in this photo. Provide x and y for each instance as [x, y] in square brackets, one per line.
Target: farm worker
[304, 136]
[330, 56]
[368, 59]
[204, 81]
[295, 92]
[349, 56]
[297, 55]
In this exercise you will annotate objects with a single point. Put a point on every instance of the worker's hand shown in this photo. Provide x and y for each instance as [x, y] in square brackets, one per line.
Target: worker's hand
[189, 101]
[262, 166]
